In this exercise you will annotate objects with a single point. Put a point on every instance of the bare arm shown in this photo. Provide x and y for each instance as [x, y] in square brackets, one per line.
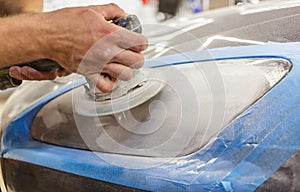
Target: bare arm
[19, 44]
[67, 36]
[16, 7]
[18, 39]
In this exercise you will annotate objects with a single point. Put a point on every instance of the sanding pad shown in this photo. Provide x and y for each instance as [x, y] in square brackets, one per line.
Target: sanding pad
[127, 95]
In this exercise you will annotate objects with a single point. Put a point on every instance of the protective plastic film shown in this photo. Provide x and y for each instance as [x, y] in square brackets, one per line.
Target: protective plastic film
[240, 158]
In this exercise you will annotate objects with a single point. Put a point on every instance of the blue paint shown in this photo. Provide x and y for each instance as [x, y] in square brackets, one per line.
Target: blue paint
[241, 158]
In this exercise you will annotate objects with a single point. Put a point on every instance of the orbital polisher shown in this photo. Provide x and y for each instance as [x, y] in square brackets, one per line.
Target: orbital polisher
[92, 102]
[127, 94]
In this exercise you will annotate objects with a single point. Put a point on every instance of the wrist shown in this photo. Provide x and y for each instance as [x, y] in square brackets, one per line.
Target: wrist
[40, 30]
[52, 37]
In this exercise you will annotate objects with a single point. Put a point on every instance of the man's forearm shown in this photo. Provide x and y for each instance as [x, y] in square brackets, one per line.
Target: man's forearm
[21, 39]
[81, 40]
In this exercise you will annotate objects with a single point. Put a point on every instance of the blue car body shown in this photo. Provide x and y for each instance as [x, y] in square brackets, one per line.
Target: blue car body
[243, 155]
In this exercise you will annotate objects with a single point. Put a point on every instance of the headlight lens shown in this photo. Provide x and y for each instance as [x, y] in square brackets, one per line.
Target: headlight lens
[199, 99]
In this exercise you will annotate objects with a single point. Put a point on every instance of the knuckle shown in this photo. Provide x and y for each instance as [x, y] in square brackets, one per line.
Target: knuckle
[113, 5]
[143, 41]
[127, 74]
[139, 63]
[52, 77]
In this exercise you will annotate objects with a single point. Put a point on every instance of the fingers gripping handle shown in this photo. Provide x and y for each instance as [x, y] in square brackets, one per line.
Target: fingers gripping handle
[6, 81]
[130, 22]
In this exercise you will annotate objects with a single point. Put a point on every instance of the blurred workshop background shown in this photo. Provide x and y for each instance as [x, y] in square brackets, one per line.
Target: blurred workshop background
[153, 11]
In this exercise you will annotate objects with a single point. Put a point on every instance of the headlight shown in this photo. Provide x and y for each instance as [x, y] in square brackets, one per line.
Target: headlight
[199, 99]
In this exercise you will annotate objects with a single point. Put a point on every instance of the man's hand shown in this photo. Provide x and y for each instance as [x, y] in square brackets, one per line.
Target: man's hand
[83, 40]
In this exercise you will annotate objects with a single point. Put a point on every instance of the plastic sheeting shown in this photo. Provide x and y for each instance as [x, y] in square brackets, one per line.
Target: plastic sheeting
[241, 158]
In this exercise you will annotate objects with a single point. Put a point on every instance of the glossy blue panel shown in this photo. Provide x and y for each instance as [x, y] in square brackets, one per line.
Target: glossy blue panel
[241, 158]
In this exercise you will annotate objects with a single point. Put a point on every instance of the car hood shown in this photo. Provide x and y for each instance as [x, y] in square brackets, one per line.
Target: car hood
[232, 26]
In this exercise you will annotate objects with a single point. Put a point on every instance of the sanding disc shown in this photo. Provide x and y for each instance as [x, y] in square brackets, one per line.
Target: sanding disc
[127, 95]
